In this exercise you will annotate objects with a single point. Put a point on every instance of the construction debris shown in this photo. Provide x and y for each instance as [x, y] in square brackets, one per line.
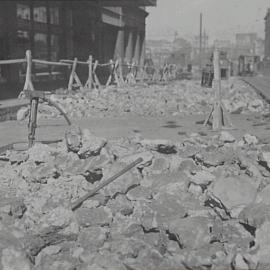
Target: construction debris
[176, 98]
[178, 208]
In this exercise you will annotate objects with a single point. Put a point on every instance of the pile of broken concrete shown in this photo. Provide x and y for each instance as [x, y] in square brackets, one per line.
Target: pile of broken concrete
[199, 203]
[175, 98]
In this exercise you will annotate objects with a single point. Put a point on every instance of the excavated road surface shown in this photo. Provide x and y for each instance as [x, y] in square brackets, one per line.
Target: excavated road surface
[153, 128]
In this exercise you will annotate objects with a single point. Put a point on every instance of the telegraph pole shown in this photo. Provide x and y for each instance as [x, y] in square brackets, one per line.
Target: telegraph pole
[201, 27]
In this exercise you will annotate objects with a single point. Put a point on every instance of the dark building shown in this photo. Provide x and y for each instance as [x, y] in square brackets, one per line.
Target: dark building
[54, 30]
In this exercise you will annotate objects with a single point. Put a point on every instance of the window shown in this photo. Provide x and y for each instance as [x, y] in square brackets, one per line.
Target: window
[41, 46]
[54, 15]
[2, 75]
[41, 52]
[69, 17]
[40, 14]
[23, 11]
[23, 44]
[54, 47]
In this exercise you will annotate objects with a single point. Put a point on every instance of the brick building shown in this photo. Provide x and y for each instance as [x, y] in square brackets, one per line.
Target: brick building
[53, 30]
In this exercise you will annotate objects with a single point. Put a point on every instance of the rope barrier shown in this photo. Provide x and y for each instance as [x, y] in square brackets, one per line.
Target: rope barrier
[72, 61]
[50, 63]
[12, 61]
[132, 73]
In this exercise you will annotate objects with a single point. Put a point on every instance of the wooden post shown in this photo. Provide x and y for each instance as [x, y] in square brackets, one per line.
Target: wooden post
[71, 77]
[109, 81]
[218, 111]
[28, 85]
[90, 73]
[96, 80]
[217, 114]
[74, 76]
[116, 77]
[120, 63]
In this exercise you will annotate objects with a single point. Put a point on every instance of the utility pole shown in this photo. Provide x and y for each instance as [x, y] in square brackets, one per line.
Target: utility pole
[201, 27]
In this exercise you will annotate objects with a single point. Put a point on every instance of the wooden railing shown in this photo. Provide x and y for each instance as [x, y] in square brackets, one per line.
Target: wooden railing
[133, 72]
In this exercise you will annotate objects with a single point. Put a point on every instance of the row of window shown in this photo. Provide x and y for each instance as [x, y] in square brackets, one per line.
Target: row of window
[40, 14]
[40, 43]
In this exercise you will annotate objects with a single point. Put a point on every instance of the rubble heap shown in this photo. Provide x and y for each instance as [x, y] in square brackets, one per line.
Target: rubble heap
[176, 98]
[199, 203]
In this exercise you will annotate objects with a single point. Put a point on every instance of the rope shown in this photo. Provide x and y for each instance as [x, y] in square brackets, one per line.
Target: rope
[12, 61]
[44, 62]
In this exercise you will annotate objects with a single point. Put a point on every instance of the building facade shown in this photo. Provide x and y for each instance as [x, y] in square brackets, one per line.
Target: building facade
[54, 30]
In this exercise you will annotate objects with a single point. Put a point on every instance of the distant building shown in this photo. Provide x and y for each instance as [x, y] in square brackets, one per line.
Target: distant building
[182, 52]
[53, 30]
[246, 43]
[206, 50]
[159, 50]
[222, 44]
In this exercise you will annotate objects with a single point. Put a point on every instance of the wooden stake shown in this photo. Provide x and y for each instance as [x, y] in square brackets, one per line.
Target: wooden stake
[95, 77]
[116, 77]
[218, 112]
[73, 76]
[90, 73]
[110, 79]
[121, 79]
[28, 85]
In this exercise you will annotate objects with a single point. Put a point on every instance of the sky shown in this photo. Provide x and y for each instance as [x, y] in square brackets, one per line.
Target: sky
[222, 19]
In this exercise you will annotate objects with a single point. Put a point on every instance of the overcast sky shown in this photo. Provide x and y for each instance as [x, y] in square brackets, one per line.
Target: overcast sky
[222, 18]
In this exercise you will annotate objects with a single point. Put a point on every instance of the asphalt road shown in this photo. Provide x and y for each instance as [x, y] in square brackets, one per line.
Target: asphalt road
[171, 128]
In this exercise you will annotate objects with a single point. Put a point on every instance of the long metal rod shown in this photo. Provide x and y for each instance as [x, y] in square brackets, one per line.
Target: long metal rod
[91, 193]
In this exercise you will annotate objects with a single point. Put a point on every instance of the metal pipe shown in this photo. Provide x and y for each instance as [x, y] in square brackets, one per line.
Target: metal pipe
[91, 193]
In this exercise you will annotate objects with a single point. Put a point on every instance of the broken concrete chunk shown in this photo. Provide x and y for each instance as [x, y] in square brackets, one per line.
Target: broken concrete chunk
[263, 241]
[61, 218]
[120, 205]
[91, 144]
[14, 259]
[92, 238]
[73, 139]
[87, 217]
[250, 139]
[159, 166]
[147, 157]
[12, 255]
[264, 158]
[234, 192]
[264, 196]
[166, 207]
[161, 146]
[255, 214]
[22, 113]
[40, 153]
[202, 178]
[192, 232]
[140, 193]
[17, 209]
[226, 137]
